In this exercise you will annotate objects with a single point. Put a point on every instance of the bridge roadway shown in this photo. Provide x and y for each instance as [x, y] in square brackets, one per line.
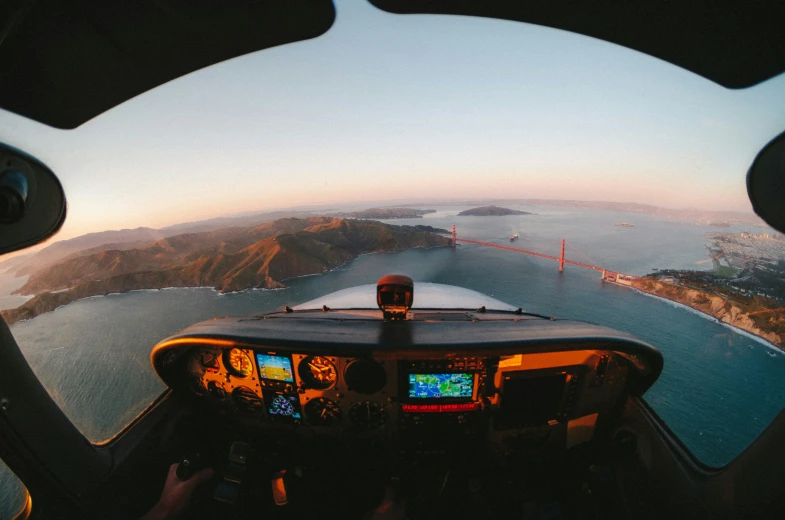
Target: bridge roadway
[532, 253]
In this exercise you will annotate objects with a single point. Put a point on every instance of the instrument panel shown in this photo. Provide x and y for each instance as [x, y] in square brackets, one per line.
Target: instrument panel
[388, 396]
[296, 389]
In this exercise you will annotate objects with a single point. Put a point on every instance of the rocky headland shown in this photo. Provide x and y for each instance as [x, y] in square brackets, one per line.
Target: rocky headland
[230, 259]
[762, 319]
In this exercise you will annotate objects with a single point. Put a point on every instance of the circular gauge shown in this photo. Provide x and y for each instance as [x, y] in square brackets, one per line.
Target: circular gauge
[317, 372]
[247, 400]
[367, 414]
[208, 359]
[238, 362]
[280, 405]
[323, 412]
[365, 376]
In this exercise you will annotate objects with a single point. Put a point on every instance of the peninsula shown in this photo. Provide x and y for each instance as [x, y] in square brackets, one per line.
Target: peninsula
[490, 211]
[228, 259]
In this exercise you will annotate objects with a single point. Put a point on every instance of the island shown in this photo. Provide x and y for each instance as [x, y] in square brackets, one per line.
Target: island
[746, 288]
[229, 259]
[491, 211]
[385, 213]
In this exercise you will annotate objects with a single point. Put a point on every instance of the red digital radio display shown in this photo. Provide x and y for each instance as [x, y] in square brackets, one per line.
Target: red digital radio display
[435, 408]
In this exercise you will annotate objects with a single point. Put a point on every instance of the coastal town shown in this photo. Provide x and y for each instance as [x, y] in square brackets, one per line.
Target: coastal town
[747, 250]
[745, 289]
[744, 263]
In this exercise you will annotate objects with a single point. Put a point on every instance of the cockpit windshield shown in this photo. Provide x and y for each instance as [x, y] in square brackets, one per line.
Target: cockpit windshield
[500, 165]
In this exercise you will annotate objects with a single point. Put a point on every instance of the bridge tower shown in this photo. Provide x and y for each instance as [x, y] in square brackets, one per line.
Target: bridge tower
[561, 257]
[454, 236]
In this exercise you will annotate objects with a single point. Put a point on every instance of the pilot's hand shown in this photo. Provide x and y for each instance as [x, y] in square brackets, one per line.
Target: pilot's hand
[389, 509]
[176, 494]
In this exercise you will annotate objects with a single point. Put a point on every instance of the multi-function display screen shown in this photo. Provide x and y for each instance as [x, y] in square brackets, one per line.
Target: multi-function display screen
[440, 386]
[277, 368]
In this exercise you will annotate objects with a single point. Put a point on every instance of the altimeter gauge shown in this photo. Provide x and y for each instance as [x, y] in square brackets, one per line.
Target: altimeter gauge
[317, 372]
[238, 362]
[323, 412]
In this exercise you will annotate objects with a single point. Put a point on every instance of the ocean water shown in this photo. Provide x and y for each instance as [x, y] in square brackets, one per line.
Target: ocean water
[719, 389]
[8, 284]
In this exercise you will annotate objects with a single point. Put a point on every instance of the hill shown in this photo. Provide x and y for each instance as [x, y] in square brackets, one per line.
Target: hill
[123, 239]
[59, 250]
[230, 259]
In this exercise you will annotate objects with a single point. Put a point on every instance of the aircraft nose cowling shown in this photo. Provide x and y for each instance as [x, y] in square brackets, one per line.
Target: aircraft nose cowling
[429, 296]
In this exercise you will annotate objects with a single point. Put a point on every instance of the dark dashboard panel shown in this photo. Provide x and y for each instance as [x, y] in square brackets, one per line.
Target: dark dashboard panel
[387, 397]
[357, 334]
[497, 383]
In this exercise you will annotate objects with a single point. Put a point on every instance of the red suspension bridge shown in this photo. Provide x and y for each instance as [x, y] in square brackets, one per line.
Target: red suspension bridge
[607, 274]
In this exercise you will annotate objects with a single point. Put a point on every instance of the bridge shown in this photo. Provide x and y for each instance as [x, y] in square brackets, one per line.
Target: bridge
[607, 274]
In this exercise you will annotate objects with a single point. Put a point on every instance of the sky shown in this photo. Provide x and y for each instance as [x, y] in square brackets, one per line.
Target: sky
[410, 107]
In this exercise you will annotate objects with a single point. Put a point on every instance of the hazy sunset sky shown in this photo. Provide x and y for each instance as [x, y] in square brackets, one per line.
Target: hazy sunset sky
[410, 107]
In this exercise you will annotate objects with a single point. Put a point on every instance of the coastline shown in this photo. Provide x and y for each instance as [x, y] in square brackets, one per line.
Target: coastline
[759, 339]
[18, 314]
[173, 288]
[700, 312]
[763, 341]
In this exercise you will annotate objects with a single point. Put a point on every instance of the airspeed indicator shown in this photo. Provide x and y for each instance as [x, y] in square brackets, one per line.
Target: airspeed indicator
[238, 362]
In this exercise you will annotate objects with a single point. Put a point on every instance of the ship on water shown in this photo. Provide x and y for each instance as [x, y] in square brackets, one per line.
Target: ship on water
[624, 224]
[514, 237]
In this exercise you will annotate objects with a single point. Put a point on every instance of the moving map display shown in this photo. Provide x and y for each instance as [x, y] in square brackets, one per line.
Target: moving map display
[277, 368]
[438, 386]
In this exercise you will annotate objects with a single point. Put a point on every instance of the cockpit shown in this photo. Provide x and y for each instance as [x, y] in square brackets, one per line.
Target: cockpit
[298, 407]
[202, 179]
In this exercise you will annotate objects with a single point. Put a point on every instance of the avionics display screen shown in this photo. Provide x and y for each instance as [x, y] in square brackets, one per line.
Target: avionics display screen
[277, 368]
[440, 386]
[282, 406]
